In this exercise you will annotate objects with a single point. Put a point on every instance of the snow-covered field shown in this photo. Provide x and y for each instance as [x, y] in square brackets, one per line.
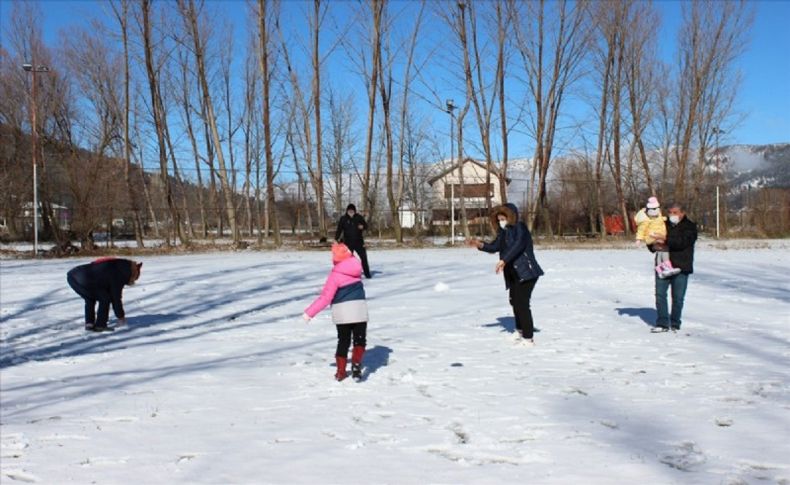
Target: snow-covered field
[218, 380]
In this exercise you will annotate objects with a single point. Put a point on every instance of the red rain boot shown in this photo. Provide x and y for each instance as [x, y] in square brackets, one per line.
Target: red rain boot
[356, 361]
[341, 368]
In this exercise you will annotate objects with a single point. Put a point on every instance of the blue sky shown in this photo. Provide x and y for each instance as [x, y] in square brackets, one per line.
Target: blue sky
[765, 93]
[764, 98]
[766, 68]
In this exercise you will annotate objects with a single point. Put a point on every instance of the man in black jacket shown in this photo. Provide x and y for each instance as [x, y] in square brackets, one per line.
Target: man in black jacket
[102, 281]
[680, 238]
[349, 231]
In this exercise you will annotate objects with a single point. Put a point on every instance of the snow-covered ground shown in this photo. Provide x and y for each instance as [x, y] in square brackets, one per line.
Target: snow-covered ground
[218, 380]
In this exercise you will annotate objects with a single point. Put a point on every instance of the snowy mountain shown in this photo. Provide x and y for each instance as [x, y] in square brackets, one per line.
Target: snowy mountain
[757, 166]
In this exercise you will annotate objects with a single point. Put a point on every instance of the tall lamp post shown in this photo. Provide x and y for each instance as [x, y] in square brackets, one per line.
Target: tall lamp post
[717, 131]
[34, 138]
[450, 107]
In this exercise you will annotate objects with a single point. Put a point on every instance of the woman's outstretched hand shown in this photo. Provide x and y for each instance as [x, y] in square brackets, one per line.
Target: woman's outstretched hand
[474, 243]
[500, 265]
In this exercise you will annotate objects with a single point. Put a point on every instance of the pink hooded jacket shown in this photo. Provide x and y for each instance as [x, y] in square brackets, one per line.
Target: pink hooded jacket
[349, 306]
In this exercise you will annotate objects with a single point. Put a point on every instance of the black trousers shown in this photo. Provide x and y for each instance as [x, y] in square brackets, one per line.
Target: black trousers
[363, 255]
[520, 296]
[91, 297]
[344, 333]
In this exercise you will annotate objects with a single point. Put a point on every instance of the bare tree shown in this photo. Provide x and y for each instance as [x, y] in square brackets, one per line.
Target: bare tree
[664, 124]
[417, 172]
[139, 157]
[504, 28]
[606, 57]
[249, 130]
[187, 234]
[616, 16]
[14, 145]
[457, 20]
[396, 195]
[120, 9]
[265, 46]
[394, 189]
[377, 12]
[186, 112]
[306, 110]
[552, 65]
[339, 144]
[157, 109]
[232, 123]
[316, 21]
[711, 37]
[190, 16]
[92, 174]
[641, 79]
[26, 39]
[477, 85]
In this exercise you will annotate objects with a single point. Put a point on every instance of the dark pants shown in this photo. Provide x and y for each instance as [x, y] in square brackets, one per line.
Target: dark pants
[678, 283]
[520, 295]
[344, 332]
[91, 298]
[363, 255]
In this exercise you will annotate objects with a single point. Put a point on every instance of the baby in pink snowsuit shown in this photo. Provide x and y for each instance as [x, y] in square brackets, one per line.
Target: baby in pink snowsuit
[344, 291]
[650, 226]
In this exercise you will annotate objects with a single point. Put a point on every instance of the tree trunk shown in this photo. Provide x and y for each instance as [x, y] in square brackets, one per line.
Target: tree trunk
[187, 107]
[377, 8]
[500, 79]
[319, 187]
[122, 16]
[157, 110]
[190, 18]
[264, 61]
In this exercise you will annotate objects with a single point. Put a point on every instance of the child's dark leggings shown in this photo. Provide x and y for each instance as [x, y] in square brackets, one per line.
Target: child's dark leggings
[344, 332]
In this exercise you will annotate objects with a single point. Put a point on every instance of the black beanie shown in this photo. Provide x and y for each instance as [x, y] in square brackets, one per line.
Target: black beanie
[351, 207]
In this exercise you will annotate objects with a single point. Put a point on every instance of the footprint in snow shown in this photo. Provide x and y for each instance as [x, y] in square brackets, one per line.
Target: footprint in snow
[461, 436]
[762, 471]
[686, 456]
[12, 445]
[185, 457]
[21, 476]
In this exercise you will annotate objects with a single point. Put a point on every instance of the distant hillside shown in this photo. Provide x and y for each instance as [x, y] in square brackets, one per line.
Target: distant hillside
[757, 166]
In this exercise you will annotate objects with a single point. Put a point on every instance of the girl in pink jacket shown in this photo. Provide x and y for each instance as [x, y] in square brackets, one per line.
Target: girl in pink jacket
[344, 291]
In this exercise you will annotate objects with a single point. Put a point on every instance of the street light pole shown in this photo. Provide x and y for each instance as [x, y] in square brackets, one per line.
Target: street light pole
[450, 107]
[34, 142]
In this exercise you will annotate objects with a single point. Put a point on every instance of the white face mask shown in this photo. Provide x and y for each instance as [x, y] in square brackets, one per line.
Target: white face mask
[502, 224]
[674, 219]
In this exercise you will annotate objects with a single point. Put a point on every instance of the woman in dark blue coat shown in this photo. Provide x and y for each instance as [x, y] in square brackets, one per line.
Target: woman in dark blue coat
[516, 261]
[102, 282]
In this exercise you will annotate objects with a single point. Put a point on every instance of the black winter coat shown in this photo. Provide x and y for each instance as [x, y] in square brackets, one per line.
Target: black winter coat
[515, 248]
[347, 227]
[680, 240]
[104, 281]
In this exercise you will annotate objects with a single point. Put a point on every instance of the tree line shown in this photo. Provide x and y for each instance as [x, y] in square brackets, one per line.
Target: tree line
[186, 126]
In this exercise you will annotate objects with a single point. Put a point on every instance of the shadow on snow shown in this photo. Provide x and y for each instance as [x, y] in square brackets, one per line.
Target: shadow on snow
[646, 314]
[508, 325]
[375, 358]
